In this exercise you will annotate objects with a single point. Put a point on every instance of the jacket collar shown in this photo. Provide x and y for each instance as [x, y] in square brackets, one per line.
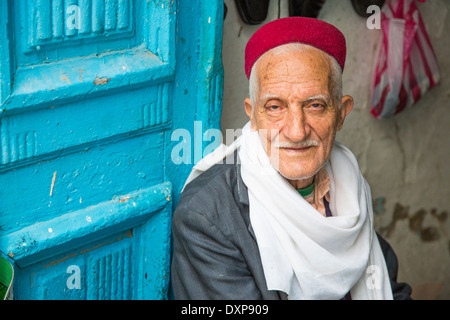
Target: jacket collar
[242, 188]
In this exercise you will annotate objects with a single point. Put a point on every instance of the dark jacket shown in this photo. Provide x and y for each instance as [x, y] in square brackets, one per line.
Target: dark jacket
[215, 251]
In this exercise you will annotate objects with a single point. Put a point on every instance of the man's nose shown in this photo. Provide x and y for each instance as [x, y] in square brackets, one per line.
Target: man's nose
[296, 127]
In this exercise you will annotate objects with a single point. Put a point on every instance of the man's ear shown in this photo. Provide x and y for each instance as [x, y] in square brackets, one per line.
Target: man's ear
[249, 112]
[346, 107]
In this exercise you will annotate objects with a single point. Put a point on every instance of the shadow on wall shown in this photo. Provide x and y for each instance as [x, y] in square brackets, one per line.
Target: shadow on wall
[427, 234]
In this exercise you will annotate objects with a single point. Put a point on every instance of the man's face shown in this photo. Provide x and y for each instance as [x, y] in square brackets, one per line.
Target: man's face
[294, 112]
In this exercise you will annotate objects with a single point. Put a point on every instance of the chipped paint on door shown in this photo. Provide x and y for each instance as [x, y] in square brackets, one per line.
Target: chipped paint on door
[90, 92]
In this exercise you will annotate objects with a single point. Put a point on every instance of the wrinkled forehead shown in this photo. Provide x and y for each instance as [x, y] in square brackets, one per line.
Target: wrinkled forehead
[293, 65]
[294, 55]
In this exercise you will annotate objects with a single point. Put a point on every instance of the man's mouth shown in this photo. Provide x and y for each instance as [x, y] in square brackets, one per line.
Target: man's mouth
[297, 149]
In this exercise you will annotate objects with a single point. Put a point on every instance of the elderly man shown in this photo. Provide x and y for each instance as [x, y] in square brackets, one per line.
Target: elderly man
[287, 214]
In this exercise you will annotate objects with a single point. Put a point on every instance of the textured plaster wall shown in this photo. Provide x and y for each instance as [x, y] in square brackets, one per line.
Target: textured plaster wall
[405, 159]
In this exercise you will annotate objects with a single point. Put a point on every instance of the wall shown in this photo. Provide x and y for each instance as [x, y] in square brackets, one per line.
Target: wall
[404, 158]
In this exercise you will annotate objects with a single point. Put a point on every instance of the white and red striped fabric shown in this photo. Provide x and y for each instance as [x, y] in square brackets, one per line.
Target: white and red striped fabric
[406, 66]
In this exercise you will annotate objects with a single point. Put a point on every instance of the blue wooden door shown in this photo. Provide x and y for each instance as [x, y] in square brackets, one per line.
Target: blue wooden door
[90, 93]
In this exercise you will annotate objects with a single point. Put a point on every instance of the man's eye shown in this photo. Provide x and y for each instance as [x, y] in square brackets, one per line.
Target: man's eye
[317, 106]
[273, 108]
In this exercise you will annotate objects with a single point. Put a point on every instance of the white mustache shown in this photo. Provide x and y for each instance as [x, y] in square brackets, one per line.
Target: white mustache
[301, 144]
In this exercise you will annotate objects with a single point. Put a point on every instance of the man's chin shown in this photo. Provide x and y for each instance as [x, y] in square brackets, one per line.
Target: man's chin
[292, 168]
[296, 176]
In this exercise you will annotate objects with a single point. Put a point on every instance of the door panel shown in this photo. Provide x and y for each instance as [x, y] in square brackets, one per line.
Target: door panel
[90, 93]
[82, 124]
[113, 268]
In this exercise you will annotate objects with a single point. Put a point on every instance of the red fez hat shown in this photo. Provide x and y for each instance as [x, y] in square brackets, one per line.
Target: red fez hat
[310, 31]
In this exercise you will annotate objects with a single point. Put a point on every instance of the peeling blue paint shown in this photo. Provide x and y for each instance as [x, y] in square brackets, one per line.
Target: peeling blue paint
[86, 113]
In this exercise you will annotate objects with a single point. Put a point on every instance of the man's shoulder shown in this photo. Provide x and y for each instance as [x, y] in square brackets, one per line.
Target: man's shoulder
[217, 197]
[213, 185]
[218, 194]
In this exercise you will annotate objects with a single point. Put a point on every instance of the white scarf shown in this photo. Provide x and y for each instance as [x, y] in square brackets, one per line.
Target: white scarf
[304, 254]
